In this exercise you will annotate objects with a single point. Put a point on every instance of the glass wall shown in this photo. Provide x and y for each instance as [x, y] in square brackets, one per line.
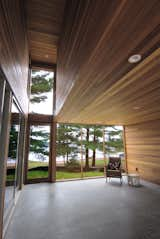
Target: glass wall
[41, 106]
[11, 148]
[12, 172]
[12, 127]
[83, 150]
[39, 149]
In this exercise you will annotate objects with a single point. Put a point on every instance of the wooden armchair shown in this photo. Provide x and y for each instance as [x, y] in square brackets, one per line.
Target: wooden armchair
[113, 169]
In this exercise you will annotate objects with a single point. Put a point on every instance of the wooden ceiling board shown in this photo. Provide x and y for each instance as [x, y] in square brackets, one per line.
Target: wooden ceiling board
[44, 23]
[138, 88]
[95, 82]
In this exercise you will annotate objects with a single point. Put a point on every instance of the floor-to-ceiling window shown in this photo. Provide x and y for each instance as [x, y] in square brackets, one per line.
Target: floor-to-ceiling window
[39, 152]
[39, 126]
[83, 150]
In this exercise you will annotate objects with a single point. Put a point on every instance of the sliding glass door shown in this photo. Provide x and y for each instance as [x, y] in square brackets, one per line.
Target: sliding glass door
[11, 149]
[13, 169]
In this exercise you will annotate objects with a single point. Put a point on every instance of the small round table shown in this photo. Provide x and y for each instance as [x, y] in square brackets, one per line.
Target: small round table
[133, 179]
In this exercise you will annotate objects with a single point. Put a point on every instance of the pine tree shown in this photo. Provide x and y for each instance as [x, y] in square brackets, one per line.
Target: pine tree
[39, 139]
[41, 83]
[115, 139]
[97, 134]
[39, 142]
[87, 149]
[67, 141]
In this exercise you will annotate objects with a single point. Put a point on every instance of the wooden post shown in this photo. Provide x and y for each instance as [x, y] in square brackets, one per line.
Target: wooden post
[27, 144]
[81, 154]
[22, 150]
[125, 150]
[104, 151]
[53, 136]
[52, 164]
[54, 91]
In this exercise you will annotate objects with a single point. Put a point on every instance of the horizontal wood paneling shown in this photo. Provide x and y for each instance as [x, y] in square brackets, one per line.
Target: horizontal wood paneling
[44, 22]
[143, 149]
[95, 82]
[13, 48]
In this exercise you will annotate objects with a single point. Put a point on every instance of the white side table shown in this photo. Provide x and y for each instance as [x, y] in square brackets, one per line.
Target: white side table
[133, 179]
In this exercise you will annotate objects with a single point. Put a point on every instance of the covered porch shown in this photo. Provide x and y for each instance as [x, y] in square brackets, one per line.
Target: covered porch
[68, 67]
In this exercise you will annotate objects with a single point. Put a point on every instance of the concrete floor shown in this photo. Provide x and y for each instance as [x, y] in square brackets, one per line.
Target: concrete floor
[89, 209]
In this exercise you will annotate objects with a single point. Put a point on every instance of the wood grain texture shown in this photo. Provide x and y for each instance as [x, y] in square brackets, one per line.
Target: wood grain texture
[14, 58]
[143, 149]
[95, 82]
[44, 22]
[38, 119]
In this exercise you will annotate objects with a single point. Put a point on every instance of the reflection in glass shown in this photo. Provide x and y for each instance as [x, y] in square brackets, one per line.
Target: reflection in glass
[12, 161]
[38, 161]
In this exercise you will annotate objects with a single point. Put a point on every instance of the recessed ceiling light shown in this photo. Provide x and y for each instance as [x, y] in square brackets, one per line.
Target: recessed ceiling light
[136, 107]
[134, 58]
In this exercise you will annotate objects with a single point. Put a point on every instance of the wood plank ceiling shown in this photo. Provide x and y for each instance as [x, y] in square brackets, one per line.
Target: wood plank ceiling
[44, 23]
[95, 82]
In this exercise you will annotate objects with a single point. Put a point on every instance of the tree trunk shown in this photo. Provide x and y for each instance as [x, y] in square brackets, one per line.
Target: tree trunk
[94, 158]
[87, 151]
[67, 156]
[64, 162]
[94, 153]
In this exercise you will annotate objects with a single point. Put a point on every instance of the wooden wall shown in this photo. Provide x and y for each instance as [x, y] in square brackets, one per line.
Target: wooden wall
[13, 48]
[143, 149]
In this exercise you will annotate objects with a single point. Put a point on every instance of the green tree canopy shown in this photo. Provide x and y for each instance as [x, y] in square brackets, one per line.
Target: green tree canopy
[41, 83]
[39, 142]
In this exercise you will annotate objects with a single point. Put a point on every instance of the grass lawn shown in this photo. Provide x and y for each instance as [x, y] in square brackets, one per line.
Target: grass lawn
[34, 164]
[62, 174]
[10, 177]
[99, 162]
[59, 175]
[70, 175]
[37, 174]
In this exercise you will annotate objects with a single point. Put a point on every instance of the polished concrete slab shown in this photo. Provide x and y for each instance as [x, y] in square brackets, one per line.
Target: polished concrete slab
[87, 209]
